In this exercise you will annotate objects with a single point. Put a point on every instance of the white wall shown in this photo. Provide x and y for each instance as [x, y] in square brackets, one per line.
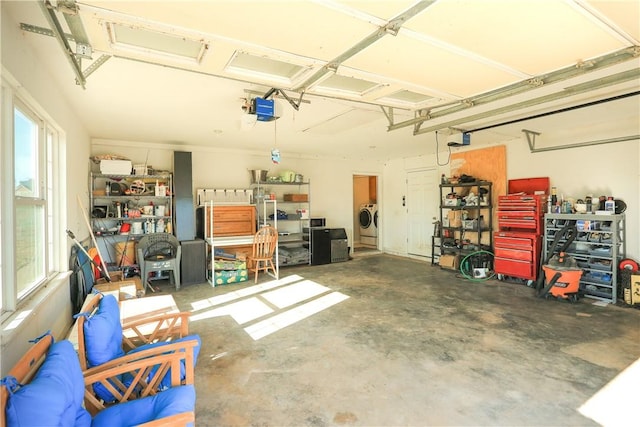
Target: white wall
[608, 169]
[54, 311]
[395, 188]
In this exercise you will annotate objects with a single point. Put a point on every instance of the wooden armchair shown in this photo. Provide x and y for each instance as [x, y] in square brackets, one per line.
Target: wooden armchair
[135, 333]
[47, 387]
[104, 343]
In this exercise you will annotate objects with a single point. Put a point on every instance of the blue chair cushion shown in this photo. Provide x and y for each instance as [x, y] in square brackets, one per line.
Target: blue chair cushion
[54, 396]
[103, 393]
[103, 333]
[166, 381]
[169, 402]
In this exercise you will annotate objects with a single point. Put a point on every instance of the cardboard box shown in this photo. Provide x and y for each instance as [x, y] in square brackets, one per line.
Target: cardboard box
[225, 277]
[230, 265]
[634, 291]
[121, 288]
[296, 197]
[455, 218]
[451, 262]
[115, 167]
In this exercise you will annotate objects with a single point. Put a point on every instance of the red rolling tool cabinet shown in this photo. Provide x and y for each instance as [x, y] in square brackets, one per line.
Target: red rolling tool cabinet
[518, 241]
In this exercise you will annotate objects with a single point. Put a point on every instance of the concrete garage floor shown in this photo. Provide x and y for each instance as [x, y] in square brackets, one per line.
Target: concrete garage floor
[404, 343]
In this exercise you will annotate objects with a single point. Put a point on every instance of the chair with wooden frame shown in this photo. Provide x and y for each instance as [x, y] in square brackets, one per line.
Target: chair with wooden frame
[136, 333]
[146, 406]
[103, 342]
[265, 242]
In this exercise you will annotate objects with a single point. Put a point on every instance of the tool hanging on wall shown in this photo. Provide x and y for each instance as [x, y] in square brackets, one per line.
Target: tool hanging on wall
[95, 264]
[93, 239]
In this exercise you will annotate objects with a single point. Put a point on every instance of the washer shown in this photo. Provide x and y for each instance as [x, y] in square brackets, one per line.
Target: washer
[368, 218]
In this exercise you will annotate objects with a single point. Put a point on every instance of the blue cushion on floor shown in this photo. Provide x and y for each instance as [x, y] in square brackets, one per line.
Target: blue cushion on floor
[169, 402]
[54, 396]
[166, 381]
[103, 333]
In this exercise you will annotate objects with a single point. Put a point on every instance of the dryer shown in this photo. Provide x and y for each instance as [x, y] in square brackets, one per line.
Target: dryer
[368, 218]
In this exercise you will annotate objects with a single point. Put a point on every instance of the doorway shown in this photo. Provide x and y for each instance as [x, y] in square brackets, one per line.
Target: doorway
[365, 213]
[422, 210]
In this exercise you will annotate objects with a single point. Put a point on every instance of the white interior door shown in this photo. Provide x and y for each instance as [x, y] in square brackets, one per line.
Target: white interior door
[422, 209]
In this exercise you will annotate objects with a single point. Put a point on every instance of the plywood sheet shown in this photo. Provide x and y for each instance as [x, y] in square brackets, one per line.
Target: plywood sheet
[486, 164]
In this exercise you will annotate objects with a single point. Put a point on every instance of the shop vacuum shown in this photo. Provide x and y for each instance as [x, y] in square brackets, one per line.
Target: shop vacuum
[560, 271]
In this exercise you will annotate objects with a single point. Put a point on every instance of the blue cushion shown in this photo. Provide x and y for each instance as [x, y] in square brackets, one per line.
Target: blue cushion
[166, 381]
[170, 402]
[103, 333]
[103, 393]
[54, 396]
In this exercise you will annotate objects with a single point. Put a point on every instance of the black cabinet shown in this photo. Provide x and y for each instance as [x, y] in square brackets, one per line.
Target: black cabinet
[328, 245]
[184, 211]
[320, 245]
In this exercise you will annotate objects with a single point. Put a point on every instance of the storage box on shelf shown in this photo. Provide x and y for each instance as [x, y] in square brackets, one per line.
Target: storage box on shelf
[466, 221]
[287, 207]
[126, 207]
[598, 249]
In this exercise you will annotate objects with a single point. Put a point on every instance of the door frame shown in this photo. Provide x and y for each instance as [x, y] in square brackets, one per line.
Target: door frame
[434, 171]
[356, 209]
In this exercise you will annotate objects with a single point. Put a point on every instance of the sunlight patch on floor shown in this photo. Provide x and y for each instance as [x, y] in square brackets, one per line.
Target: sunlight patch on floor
[293, 294]
[241, 311]
[244, 292]
[268, 301]
[616, 403]
[289, 317]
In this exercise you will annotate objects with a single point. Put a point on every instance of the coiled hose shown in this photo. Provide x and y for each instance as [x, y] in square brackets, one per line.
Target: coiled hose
[466, 265]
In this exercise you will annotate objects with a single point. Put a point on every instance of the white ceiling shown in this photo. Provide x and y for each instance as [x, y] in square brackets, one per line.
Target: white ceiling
[443, 56]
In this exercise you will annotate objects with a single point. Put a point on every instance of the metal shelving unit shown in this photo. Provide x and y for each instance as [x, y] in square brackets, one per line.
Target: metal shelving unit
[598, 249]
[106, 219]
[292, 229]
[467, 236]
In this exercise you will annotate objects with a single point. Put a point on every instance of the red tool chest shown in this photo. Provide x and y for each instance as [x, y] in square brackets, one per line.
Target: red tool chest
[517, 254]
[521, 212]
[518, 241]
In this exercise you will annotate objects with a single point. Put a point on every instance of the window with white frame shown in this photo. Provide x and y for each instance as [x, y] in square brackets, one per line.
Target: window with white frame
[30, 150]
